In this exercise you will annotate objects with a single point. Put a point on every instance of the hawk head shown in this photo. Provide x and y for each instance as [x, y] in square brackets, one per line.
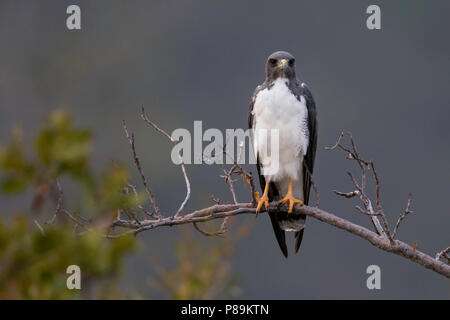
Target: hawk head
[280, 64]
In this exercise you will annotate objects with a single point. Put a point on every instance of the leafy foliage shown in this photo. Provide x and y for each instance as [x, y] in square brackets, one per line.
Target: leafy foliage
[17, 170]
[34, 264]
[203, 270]
[34, 256]
[63, 149]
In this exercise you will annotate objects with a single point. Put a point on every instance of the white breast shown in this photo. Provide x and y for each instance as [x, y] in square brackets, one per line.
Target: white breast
[277, 108]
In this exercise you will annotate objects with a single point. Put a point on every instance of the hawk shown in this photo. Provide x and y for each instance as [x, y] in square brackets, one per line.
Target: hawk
[286, 105]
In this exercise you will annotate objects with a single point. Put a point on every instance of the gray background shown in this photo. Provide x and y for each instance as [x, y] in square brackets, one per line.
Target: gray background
[201, 60]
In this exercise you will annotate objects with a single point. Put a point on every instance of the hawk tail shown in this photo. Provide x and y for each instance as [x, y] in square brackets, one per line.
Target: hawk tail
[282, 222]
[298, 239]
[279, 233]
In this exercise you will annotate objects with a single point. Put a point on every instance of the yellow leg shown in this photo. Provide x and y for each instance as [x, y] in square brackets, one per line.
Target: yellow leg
[264, 200]
[289, 197]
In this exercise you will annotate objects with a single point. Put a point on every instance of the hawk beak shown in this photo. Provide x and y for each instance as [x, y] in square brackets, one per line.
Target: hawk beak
[282, 63]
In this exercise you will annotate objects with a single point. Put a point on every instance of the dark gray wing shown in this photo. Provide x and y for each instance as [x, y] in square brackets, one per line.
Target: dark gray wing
[308, 160]
[273, 191]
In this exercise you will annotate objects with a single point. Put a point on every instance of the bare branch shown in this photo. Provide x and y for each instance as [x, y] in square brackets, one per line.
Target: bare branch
[38, 225]
[368, 213]
[202, 215]
[337, 144]
[183, 169]
[133, 189]
[215, 200]
[228, 179]
[347, 195]
[222, 230]
[444, 254]
[237, 168]
[59, 202]
[221, 211]
[403, 215]
[378, 202]
[381, 228]
[141, 172]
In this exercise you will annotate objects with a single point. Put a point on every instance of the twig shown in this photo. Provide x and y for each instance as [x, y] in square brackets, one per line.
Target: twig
[381, 228]
[141, 172]
[443, 254]
[378, 202]
[59, 202]
[183, 169]
[79, 222]
[347, 194]
[222, 230]
[246, 176]
[38, 225]
[403, 216]
[148, 213]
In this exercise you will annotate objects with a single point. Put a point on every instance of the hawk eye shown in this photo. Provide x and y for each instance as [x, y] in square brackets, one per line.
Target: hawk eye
[291, 62]
[273, 61]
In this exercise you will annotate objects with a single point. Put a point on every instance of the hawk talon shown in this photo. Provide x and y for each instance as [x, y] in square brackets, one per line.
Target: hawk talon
[264, 200]
[289, 197]
[292, 201]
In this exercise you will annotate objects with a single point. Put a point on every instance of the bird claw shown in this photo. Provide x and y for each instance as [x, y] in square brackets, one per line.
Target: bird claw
[264, 200]
[290, 198]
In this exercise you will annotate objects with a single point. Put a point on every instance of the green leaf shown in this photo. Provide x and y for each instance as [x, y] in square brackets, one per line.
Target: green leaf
[14, 184]
[63, 148]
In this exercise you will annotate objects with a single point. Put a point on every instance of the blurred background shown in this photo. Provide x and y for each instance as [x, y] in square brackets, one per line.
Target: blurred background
[201, 60]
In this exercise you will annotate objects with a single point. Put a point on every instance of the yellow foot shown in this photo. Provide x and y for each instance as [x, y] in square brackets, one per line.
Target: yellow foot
[264, 200]
[289, 197]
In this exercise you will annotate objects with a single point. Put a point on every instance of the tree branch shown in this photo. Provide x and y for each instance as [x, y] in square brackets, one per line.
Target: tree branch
[183, 169]
[382, 238]
[221, 211]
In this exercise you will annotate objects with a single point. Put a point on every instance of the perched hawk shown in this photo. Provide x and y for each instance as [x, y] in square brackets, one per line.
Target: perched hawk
[284, 104]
